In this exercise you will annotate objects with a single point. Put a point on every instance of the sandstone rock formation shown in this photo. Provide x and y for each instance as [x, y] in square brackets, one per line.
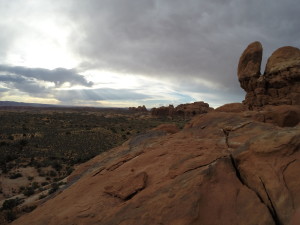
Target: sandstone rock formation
[279, 85]
[138, 109]
[183, 110]
[163, 111]
[231, 107]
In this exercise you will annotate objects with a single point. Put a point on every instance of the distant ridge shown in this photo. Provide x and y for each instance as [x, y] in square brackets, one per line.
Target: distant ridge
[24, 105]
[12, 103]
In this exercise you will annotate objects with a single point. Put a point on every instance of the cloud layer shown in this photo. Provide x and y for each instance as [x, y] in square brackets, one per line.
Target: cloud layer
[191, 46]
[181, 39]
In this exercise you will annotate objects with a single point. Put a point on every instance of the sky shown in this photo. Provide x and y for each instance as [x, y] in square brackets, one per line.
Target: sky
[121, 53]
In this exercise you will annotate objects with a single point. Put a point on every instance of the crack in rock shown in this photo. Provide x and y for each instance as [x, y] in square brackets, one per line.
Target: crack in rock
[203, 165]
[284, 181]
[272, 211]
[127, 189]
[272, 208]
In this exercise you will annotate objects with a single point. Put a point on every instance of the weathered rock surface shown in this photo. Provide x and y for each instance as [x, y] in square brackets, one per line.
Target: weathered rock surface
[222, 168]
[279, 85]
[231, 107]
[249, 65]
[183, 110]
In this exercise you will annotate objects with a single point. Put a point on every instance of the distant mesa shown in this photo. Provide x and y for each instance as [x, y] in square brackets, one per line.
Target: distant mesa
[280, 83]
[183, 110]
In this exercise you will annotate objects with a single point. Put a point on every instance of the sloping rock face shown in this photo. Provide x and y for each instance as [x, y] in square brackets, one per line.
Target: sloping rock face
[279, 85]
[183, 110]
[222, 168]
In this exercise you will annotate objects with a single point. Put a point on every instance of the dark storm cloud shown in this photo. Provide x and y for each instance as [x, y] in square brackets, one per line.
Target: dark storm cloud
[58, 76]
[99, 95]
[23, 84]
[181, 39]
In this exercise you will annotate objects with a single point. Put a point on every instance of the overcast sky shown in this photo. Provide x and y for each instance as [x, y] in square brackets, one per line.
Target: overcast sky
[135, 52]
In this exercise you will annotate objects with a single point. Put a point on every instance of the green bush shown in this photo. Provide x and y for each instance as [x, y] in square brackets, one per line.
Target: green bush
[28, 191]
[55, 187]
[15, 175]
[10, 215]
[11, 203]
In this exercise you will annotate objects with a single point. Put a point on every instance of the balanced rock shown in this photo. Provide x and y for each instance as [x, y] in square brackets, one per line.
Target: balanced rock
[279, 85]
[249, 65]
[283, 58]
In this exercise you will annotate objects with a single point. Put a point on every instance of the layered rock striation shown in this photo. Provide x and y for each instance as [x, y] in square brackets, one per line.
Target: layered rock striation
[280, 83]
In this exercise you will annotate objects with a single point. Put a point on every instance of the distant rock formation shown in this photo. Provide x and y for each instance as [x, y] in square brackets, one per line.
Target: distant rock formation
[163, 111]
[183, 110]
[280, 83]
[138, 109]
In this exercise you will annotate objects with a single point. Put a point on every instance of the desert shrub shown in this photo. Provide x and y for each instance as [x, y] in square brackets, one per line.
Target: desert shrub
[30, 178]
[44, 183]
[11, 203]
[15, 175]
[28, 191]
[23, 142]
[69, 170]
[55, 187]
[56, 165]
[42, 196]
[35, 185]
[52, 173]
[10, 215]
[29, 209]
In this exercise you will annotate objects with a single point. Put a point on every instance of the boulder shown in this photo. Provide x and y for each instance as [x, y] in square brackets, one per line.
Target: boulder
[249, 65]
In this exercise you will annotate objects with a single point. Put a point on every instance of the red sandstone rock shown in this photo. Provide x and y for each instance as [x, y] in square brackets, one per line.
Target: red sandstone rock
[231, 107]
[249, 65]
[169, 128]
[183, 110]
[283, 58]
[138, 109]
[280, 84]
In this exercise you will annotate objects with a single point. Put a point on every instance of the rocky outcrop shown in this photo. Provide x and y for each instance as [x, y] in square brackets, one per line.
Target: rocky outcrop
[138, 109]
[163, 111]
[249, 66]
[231, 107]
[222, 168]
[183, 110]
[279, 85]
